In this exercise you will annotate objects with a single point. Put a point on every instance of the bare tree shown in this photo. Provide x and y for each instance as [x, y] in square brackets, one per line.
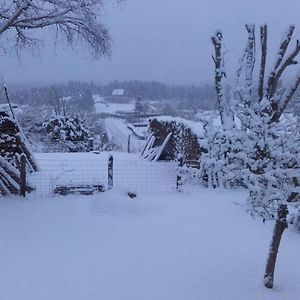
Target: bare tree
[249, 57]
[75, 20]
[263, 59]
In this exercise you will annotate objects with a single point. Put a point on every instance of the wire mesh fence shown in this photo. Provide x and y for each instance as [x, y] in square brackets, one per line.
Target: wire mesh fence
[144, 175]
[60, 172]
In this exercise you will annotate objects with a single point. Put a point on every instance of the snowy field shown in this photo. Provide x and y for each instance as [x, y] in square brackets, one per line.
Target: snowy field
[198, 244]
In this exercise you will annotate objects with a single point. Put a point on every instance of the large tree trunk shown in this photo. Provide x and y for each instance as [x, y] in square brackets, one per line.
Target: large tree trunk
[280, 226]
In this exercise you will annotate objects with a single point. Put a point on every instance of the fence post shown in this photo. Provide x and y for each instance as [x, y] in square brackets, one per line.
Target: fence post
[91, 145]
[179, 173]
[128, 143]
[23, 162]
[110, 172]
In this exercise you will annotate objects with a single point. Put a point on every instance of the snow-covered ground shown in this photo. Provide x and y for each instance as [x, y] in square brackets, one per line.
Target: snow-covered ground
[198, 244]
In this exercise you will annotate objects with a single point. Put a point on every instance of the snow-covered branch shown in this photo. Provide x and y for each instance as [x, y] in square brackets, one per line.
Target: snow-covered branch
[280, 65]
[220, 74]
[250, 61]
[76, 20]
[263, 59]
[286, 100]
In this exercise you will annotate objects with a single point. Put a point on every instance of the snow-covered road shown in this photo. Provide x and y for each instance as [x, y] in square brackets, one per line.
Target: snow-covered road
[118, 133]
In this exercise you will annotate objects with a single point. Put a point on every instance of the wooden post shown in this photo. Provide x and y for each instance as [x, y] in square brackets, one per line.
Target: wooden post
[91, 144]
[179, 174]
[128, 143]
[110, 172]
[23, 162]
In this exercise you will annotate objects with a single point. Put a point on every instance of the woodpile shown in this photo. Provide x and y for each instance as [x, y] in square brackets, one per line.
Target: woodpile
[78, 189]
[12, 145]
[171, 140]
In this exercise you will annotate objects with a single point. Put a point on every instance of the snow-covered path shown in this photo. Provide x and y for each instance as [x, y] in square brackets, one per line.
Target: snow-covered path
[198, 244]
[118, 132]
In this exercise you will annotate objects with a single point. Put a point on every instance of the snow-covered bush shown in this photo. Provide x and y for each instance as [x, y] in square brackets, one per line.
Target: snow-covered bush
[223, 163]
[259, 155]
[68, 134]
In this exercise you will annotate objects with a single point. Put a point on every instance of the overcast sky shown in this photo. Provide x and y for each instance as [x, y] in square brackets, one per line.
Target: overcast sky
[164, 40]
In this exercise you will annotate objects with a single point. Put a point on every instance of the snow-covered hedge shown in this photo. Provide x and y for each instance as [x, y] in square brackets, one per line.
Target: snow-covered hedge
[184, 141]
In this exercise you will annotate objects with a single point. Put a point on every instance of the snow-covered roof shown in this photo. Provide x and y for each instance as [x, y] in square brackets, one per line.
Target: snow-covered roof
[66, 98]
[118, 92]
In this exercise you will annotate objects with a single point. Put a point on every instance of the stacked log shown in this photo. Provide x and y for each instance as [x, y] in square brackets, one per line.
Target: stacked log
[12, 145]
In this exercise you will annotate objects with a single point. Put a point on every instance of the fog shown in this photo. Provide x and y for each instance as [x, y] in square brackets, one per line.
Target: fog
[162, 40]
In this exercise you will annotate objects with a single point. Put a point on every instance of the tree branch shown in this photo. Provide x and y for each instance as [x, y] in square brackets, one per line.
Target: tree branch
[288, 97]
[217, 42]
[262, 69]
[19, 11]
[250, 60]
[273, 78]
[76, 20]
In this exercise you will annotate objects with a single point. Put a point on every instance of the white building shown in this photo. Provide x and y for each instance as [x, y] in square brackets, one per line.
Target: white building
[118, 92]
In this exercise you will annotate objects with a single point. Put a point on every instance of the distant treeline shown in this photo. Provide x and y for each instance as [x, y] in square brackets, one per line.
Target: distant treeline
[202, 96]
[187, 96]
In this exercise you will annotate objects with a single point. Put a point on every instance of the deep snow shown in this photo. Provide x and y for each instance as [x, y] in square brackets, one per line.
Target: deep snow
[197, 244]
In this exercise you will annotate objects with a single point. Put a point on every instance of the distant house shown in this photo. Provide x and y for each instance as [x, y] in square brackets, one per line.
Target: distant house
[118, 92]
[118, 96]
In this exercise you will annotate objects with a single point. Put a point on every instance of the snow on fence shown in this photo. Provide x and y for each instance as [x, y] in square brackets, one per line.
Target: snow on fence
[68, 172]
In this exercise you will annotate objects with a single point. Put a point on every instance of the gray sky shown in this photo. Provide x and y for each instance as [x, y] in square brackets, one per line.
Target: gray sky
[164, 40]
